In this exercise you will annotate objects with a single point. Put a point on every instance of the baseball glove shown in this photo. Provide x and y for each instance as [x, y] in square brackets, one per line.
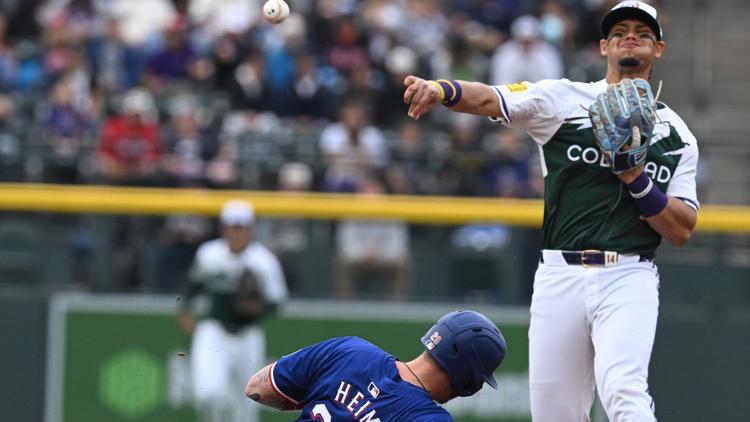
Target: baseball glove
[623, 119]
[248, 302]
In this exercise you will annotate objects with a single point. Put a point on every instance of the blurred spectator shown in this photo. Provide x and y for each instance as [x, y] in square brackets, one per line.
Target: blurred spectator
[461, 171]
[494, 13]
[22, 19]
[188, 145]
[310, 98]
[526, 57]
[227, 53]
[171, 62]
[115, 64]
[348, 53]
[81, 19]
[221, 171]
[76, 74]
[129, 147]
[142, 22]
[281, 56]
[175, 248]
[29, 75]
[507, 171]
[425, 31]
[408, 172]
[586, 64]
[368, 249]
[400, 62]
[8, 63]
[247, 87]
[11, 159]
[384, 19]
[352, 148]
[557, 27]
[216, 18]
[464, 62]
[66, 132]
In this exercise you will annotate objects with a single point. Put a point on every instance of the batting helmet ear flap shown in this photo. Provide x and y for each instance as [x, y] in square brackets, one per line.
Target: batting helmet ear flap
[469, 347]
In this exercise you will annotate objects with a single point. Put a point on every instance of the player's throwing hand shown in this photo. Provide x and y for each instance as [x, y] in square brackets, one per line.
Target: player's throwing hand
[421, 95]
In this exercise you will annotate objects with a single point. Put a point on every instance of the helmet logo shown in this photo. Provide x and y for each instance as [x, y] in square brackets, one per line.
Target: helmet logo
[433, 340]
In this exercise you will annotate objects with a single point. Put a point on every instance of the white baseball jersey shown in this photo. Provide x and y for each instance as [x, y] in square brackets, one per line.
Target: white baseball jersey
[217, 270]
[599, 321]
[228, 347]
[586, 205]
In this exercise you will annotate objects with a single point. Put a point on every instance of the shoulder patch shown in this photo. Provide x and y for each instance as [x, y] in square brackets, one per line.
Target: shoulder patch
[517, 87]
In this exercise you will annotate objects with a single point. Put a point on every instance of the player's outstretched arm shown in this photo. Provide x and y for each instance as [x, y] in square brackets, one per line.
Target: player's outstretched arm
[473, 97]
[259, 389]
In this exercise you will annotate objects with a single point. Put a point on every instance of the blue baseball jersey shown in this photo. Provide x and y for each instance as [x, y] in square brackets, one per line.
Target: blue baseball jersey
[350, 379]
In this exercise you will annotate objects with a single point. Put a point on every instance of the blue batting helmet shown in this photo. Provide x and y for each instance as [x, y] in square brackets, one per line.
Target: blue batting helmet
[469, 347]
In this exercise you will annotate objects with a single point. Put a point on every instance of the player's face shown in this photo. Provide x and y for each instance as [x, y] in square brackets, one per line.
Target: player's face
[237, 236]
[631, 44]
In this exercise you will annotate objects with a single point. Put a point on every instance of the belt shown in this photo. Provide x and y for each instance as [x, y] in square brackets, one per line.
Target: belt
[591, 257]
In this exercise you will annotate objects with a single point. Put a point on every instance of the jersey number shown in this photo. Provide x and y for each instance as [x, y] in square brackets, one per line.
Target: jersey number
[320, 412]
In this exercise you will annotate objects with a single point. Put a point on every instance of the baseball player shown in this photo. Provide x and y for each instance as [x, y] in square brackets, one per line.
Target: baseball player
[244, 282]
[619, 173]
[350, 379]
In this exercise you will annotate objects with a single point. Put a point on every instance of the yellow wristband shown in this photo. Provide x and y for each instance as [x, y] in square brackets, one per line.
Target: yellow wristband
[440, 88]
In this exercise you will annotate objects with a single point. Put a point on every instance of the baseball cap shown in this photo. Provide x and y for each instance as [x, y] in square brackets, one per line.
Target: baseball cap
[631, 10]
[526, 27]
[138, 100]
[237, 212]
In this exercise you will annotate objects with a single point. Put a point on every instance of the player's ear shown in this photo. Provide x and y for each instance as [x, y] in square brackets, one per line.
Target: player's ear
[603, 47]
[659, 49]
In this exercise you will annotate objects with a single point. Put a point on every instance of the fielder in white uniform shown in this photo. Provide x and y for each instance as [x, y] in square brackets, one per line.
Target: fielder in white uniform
[244, 282]
[595, 302]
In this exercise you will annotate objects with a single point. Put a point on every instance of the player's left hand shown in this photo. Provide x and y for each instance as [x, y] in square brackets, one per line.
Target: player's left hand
[628, 176]
[623, 119]
[421, 95]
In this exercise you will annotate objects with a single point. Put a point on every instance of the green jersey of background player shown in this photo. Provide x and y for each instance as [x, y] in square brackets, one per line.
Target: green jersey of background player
[595, 301]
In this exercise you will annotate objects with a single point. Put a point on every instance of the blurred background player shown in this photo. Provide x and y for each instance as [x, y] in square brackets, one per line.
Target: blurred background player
[244, 282]
[375, 251]
[348, 378]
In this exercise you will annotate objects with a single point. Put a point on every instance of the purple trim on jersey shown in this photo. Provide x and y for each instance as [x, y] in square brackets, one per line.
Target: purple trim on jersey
[692, 204]
[277, 390]
[504, 107]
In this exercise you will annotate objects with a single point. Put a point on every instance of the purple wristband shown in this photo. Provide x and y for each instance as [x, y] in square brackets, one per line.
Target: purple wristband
[649, 198]
[448, 90]
[452, 91]
[458, 91]
[640, 184]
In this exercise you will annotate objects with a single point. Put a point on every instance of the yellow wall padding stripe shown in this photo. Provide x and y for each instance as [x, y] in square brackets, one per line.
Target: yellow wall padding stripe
[413, 209]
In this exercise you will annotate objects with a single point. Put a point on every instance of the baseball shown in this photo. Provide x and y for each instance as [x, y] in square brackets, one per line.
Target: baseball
[276, 11]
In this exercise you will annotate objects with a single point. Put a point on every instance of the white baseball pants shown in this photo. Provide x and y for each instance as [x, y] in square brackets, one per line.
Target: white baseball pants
[221, 365]
[592, 325]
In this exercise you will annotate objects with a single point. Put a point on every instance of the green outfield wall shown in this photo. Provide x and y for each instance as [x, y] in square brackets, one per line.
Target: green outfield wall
[119, 358]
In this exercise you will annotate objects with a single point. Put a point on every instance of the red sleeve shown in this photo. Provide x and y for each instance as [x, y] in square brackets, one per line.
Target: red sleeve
[107, 139]
[153, 135]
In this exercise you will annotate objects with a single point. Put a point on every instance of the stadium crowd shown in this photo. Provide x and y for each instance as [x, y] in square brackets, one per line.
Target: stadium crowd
[205, 93]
